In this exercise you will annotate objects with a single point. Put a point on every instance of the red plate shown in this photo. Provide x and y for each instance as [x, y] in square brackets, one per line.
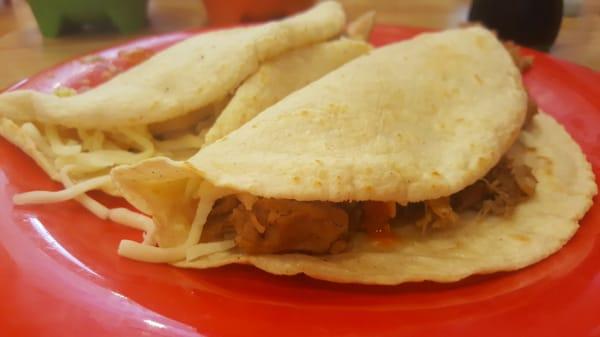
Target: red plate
[60, 274]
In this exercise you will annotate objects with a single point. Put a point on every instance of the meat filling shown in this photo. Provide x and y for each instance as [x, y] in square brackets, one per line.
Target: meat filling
[502, 189]
[280, 226]
[288, 226]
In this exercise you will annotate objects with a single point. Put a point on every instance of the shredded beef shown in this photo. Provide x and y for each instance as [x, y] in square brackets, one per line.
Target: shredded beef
[280, 226]
[277, 226]
[499, 192]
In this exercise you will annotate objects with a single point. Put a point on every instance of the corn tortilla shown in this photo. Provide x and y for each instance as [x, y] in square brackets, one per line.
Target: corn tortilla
[186, 77]
[410, 121]
[537, 228]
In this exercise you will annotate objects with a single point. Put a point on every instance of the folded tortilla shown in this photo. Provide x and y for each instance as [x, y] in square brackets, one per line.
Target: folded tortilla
[537, 228]
[411, 121]
[165, 105]
[414, 121]
[186, 77]
[280, 77]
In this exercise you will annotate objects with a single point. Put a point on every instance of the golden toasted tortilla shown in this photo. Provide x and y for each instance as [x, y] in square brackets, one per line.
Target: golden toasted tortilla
[411, 121]
[538, 228]
[186, 77]
[279, 77]
[165, 105]
[440, 111]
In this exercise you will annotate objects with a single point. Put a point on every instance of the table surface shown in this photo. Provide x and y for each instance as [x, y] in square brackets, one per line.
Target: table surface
[24, 52]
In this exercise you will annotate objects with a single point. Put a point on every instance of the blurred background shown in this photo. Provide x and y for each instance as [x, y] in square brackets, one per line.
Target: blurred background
[24, 51]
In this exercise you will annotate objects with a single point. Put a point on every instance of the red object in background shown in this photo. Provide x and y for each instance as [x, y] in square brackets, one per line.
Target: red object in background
[60, 274]
[237, 11]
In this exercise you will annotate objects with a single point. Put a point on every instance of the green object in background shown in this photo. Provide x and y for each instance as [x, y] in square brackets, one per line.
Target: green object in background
[56, 17]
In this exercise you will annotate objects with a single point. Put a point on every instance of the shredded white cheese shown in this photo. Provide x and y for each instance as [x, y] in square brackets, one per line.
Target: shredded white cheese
[131, 219]
[208, 195]
[44, 197]
[88, 156]
[204, 249]
[93, 206]
[191, 249]
[90, 204]
[56, 143]
[146, 253]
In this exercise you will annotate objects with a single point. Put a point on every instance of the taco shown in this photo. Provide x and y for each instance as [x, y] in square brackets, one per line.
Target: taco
[165, 105]
[418, 161]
